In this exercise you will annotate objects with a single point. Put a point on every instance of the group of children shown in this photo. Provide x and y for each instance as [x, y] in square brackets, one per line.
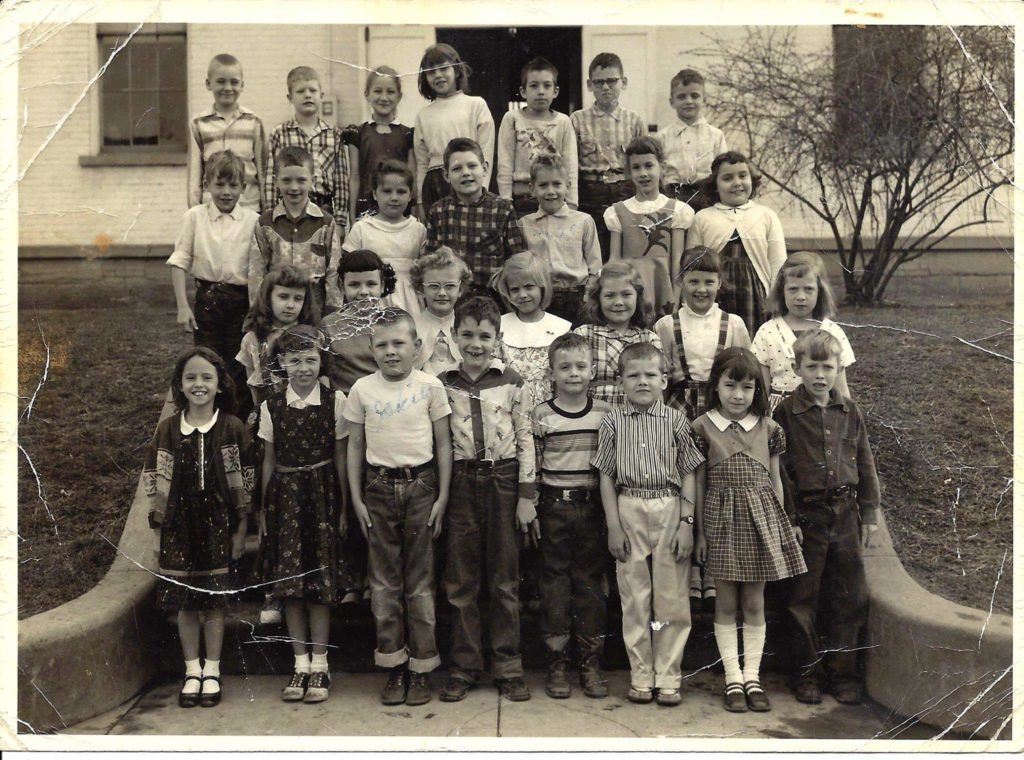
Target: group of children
[444, 387]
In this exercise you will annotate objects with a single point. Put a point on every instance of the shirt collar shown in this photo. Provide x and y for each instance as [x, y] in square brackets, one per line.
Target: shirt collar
[724, 207]
[311, 210]
[563, 211]
[186, 428]
[713, 312]
[215, 213]
[497, 365]
[460, 202]
[321, 125]
[802, 400]
[291, 398]
[657, 409]
[681, 126]
[722, 422]
[616, 114]
[239, 110]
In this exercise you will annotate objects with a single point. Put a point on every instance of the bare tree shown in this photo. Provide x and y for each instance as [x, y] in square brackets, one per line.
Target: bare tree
[896, 138]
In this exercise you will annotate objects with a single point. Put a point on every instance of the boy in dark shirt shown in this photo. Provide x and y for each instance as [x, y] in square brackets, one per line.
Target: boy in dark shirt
[830, 473]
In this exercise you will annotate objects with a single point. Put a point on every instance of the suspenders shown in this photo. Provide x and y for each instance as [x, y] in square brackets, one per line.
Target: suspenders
[678, 329]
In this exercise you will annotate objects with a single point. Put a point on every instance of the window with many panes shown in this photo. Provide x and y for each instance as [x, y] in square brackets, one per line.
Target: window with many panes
[143, 93]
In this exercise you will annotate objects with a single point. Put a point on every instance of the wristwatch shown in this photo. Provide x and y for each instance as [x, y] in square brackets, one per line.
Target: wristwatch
[688, 519]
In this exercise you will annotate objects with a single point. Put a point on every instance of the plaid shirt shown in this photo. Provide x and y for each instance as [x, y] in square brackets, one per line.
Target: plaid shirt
[646, 449]
[484, 233]
[606, 343]
[243, 134]
[602, 139]
[330, 165]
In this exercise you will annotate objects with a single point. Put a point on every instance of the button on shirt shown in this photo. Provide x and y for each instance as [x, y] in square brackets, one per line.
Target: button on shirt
[602, 139]
[568, 241]
[646, 449]
[213, 245]
[827, 447]
[690, 149]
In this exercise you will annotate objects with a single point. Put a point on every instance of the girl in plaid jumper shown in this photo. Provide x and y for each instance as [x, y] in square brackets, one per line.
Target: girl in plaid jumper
[743, 534]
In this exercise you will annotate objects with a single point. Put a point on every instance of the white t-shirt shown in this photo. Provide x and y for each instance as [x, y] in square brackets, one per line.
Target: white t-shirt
[398, 417]
[773, 347]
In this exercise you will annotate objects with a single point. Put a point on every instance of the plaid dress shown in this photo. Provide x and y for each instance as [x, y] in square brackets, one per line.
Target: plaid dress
[741, 291]
[749, 537]
[606, 344]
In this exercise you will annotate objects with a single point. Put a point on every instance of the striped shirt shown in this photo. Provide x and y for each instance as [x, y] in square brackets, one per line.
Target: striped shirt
[491, 420]
[606, 343]
[565, 442]
[243, 135]
[484, 233]
[602, 139]
[310, 242]
[330, 165]
[647, 450]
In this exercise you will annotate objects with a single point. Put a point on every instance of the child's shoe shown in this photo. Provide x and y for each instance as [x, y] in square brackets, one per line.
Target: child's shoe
[710, 595]
[456, 689]
[592, 678]
[557, 685]
[210, 695]
[669, 697]
[189, 696]
[352, 596]
[418, 692]
[757, 699]
[735, 698]
[319, 687]
[640, 696]
[296, 688]
[513, 689]
[395, 689]
[807, 691]
[848, 693]
[271, 612]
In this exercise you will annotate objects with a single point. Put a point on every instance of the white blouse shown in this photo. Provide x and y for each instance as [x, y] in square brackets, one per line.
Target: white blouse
[773, 347]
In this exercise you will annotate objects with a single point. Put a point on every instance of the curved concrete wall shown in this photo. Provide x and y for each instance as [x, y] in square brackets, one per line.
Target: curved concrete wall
[948, 665]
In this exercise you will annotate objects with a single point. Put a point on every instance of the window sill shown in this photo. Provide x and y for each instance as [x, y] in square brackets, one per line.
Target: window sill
[134, 159]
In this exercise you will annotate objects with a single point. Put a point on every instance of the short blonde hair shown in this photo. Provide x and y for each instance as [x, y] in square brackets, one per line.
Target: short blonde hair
[528, 263]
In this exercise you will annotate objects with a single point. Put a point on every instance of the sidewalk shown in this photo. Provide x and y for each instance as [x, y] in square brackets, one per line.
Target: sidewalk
[252, 707]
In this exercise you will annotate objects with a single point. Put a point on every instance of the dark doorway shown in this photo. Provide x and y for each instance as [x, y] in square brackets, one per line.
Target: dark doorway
[496, 55]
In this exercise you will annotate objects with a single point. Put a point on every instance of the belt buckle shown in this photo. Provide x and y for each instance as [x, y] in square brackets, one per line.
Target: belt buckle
[566, 494]
[484, 462]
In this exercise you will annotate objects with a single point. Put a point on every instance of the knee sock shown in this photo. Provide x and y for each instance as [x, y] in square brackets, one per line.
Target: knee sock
[302, 663]
[753, 647]
[192, 668]
[319, 664]
[728, 648]
[211, 668]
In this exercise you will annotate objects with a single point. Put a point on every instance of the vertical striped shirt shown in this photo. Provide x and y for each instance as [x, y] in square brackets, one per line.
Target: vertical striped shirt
[565, 443]
[491, 420]
[649, 450]
[602, 139]
[330, 165]
[243, 135]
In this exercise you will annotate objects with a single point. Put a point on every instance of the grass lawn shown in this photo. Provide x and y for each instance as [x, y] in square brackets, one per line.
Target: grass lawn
[940, 415]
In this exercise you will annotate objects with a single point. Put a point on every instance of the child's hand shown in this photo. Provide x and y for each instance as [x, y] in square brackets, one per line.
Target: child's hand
[187, 319]
[867, 533]
[362, 516]
[526, 517]
[618, 544]
[156, 547]
[682, 541]
[436, 519]
[261, 522]
[343, 525]
[799, 535]
[700, 550]
[237, 545]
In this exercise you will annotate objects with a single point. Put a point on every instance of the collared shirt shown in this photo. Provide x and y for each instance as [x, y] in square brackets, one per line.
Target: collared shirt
[690, 149]
[773, 347]
[759, 228]
[646, 449]
[187, 428]
[602, 139]
[484, 233]
[700, 335]
[491, 420]
[294, 401]
[567, 240]
[565, 442]
[438, 352]
[213, 245]
[243, 134]
[330, 164]
[606, 343]
[827, 447]
[311, 241]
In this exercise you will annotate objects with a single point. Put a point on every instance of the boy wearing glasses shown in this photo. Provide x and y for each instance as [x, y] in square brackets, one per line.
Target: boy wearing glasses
[602, 132]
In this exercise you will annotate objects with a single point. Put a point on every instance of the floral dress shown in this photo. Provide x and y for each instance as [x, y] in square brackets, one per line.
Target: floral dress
[524, 348]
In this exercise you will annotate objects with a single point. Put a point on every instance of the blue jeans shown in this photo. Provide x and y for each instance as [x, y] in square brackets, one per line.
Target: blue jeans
[481, 542]
[402, 569]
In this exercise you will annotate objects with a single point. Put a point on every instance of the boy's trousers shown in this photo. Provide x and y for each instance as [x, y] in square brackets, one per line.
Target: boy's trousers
[480, 530]
[655, 600]
[574, 549]
[834, 580]
[399, 501]
[220, 311]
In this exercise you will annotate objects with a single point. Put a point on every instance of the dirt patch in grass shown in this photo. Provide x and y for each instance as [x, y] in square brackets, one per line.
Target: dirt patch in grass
[83, 433]
[940, 415]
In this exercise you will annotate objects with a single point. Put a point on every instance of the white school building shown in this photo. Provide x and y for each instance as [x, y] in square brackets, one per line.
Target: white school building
[103, 157]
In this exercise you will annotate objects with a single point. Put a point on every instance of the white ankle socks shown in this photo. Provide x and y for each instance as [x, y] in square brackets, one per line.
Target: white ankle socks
[319, 664]
[192, 668]
[302, 663]
[753, 648]
[728, 648]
